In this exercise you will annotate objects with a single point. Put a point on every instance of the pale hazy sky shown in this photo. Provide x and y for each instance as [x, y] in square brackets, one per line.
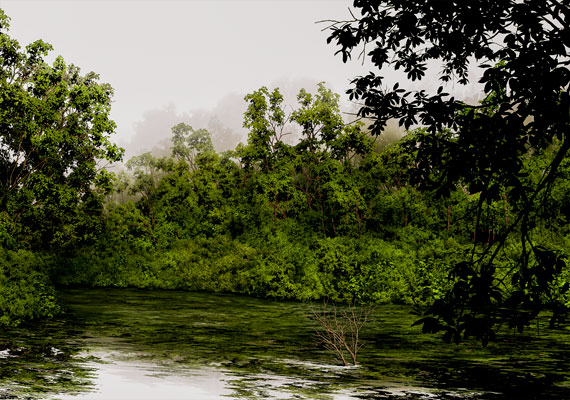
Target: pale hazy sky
[190, 54]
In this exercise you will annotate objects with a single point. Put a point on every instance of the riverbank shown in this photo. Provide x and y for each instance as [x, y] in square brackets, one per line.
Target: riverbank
[363, 270]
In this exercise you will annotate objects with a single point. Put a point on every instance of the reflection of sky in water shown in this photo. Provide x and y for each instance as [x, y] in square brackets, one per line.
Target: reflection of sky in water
[116, 378]
[140, 381]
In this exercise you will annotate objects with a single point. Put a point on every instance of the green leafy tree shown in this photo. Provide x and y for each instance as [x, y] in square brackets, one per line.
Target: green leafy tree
[54, 130]
[325, 159]
[314, 176]
[522, 49]
[54, 134]
[266, 152]
[147, 171]
[188, 144]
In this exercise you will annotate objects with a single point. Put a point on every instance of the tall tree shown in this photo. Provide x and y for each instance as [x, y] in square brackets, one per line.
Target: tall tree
[522, 48]
[316, 172]
[54, 131]
[189, 144]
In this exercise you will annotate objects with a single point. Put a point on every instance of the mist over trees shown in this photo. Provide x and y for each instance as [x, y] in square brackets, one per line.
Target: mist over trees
[224, 121]
[152, 132]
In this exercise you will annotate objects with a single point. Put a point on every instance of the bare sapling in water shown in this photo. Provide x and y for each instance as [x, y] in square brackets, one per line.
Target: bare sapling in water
[340, 330]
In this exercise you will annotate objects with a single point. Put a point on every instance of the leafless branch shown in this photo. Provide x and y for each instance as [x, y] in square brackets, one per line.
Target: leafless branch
[340, 331]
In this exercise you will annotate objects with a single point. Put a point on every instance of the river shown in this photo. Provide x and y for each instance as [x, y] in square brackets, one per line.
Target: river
[134, 344]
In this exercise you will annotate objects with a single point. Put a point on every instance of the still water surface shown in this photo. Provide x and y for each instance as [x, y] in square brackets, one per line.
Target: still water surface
[133, 344]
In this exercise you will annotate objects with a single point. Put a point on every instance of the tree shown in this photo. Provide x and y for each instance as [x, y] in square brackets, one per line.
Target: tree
[266, 150]
[522, 48]
[317, 170]
[189, 144]
[327, 153]
[54, 131]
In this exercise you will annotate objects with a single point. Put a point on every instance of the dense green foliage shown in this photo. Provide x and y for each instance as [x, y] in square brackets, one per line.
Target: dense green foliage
[521, 48]
[321, 216]
[449, 217]
[54, 128]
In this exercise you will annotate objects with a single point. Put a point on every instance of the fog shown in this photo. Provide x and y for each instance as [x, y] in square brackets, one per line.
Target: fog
[188, 58]
[224, 121]
[193, 61]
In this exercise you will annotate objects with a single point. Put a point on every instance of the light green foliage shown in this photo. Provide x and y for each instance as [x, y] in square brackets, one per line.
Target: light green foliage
[323, 129]
[316, 176]
[266, 120]
[189, 144]
[266, 155]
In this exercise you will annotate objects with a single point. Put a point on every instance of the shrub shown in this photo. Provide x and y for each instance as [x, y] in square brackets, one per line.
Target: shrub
[25, 290]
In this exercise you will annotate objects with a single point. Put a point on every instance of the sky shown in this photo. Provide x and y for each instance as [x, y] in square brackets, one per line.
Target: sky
[189, 61]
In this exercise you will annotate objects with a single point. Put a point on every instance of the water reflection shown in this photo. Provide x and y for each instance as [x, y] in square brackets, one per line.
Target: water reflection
[137, 344]
[119, 378]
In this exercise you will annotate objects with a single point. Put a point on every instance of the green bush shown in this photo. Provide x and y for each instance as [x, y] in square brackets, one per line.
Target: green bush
[280, 262]
[25, 290]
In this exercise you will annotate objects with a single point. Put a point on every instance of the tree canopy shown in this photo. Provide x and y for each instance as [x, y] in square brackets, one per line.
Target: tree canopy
[522, 48]
[54, 135]
[54, 130]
